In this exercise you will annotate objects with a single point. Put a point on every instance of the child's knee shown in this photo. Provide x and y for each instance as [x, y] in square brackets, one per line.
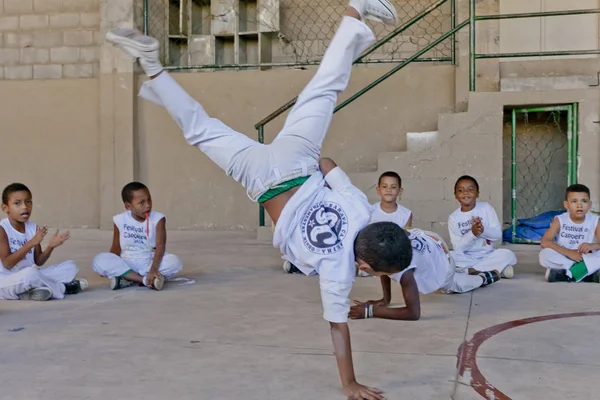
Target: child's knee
[545, 255]
[101, 261]
[173, 263]
[508, 255]
[70, 267]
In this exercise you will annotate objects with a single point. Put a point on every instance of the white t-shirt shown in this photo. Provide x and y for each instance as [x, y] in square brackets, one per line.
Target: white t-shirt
[571, 235]
[316, 232]
[461, 236]
[16, 240]
[399, 217]
[430, 261]
[137, 239]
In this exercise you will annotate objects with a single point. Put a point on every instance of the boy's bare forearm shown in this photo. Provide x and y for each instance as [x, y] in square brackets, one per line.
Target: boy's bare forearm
[44, 256]
[554, 246]
[400, 313]
[340, 335]
[10, 261]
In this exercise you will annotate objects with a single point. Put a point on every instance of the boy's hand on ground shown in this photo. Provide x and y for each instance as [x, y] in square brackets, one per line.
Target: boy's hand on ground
[357, 311]
[585, 248]
[39, 235]
[574, 255]
[356, 391]
[56, 239]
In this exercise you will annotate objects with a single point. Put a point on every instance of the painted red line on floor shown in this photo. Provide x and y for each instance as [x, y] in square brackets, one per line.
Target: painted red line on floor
[467, 352]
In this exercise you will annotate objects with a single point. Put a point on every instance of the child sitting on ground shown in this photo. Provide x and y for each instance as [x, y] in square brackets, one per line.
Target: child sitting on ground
[431, 268]
[137, 254]
[21, 254]
[570, 245]
[473, 227]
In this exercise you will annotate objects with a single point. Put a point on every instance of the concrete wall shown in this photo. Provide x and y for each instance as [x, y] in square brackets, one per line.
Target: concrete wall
[49, 39]
[50, 139]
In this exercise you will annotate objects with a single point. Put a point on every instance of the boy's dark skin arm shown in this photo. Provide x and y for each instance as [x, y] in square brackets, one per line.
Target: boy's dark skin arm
[161, 244]
[410, 291]
[115, 248]
[548, 242]
[9, 260]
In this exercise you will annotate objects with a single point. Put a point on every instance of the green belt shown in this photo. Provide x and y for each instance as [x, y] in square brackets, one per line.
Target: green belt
[282, 187]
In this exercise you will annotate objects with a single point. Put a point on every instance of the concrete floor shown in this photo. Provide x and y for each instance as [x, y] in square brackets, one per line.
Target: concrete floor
[246, 330]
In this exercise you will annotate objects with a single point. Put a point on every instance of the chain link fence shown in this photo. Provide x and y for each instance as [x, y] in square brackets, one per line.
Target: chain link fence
[541, 163]
[239, 33]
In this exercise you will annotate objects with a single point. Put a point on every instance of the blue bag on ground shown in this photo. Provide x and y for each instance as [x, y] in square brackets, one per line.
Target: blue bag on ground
[531, 229]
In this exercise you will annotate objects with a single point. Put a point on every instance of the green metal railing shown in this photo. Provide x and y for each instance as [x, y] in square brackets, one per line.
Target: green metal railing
[473, 55]
[261, 124]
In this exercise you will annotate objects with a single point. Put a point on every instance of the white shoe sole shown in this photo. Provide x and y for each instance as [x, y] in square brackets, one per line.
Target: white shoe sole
[508, 272]
[381, 11]
[36, 294]
[83, 283]
[131, 40]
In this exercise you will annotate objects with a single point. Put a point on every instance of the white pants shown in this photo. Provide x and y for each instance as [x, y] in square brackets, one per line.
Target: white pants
[297, 148]
[53, 277]
[498, 260]
[554, 260]
[111, 265]
[460, 281]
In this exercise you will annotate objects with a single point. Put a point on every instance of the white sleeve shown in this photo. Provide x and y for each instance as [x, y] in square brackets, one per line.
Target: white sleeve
[492, 230]
[340, 182]
[336, 300]
[460, 242]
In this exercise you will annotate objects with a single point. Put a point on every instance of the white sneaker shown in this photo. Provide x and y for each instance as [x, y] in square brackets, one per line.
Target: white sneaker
[508, 272]
[36, 294]
[141, 47]
[376, 10]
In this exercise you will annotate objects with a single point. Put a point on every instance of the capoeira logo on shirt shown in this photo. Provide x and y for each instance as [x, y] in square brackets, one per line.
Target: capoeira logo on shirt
[324, 228]
[419, 244]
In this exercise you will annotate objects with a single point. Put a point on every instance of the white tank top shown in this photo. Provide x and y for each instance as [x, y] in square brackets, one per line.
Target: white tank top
[137, 239]
[16, 240]
[430, 260]
[399, 217]
[571, 235]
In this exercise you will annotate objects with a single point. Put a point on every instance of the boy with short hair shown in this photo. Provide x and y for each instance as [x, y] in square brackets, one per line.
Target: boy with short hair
[474, 227]
[21, 254]
[316, 210]
[389, 188]
[570, 245]
[137, 254]
[431, 268]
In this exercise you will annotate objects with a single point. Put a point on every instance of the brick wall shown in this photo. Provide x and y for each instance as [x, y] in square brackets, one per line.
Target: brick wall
[49, 39]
